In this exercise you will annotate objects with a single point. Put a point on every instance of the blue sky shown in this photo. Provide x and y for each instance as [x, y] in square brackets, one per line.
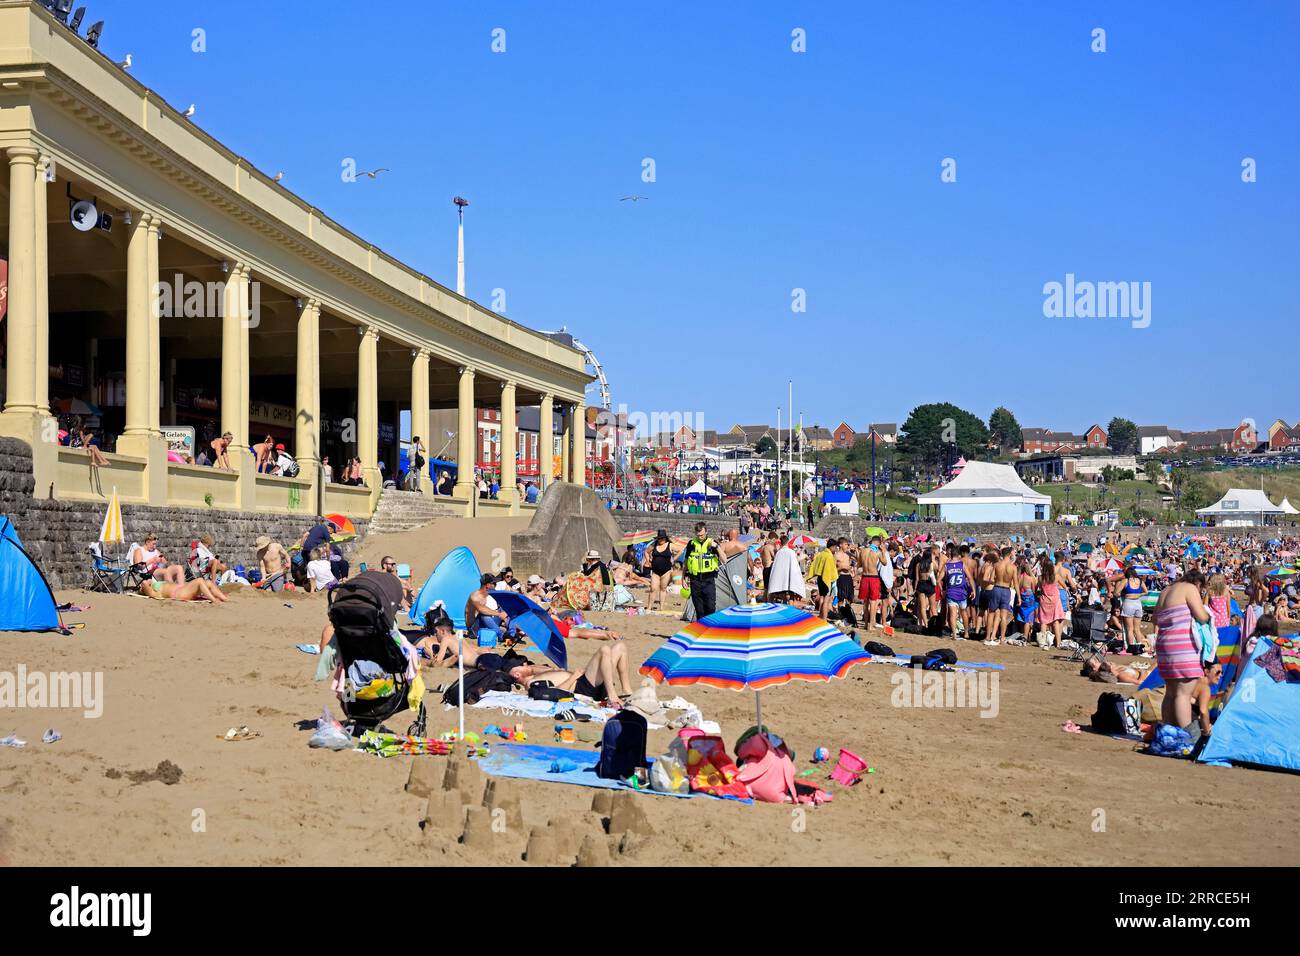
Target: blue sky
[778, 170]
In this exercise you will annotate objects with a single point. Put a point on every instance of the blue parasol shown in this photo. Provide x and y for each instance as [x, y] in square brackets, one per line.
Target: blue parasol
[533, 620]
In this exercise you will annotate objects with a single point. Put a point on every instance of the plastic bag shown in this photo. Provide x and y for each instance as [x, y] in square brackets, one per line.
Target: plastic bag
[668, 773]
[330, 734]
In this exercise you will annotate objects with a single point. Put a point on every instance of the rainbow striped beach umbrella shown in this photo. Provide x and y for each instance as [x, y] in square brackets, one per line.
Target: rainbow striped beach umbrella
[636, 537]
[754, 646]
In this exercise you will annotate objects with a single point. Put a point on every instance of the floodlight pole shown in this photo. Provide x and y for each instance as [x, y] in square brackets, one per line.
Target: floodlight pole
[460, 244]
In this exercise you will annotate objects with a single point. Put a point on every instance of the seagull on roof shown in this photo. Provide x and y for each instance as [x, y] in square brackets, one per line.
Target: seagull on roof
[189, 112]
[375, 172]
[126, 64]
[278, 176]
[633, 198]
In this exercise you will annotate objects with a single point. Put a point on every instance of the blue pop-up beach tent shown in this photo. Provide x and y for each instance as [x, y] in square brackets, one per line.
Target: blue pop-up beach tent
[452, 581]
[26, 601]
[1259, 724]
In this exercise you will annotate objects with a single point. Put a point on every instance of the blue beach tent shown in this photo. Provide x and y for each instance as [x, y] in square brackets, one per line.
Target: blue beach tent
[452, 581]
[26, 601]
[1259, 724]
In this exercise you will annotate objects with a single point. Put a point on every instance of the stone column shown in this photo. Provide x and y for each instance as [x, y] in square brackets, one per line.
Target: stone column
[368, 412]
[20, 392]
[234, 385]
[420, 416]
[578, 457]
[140, 328]
[246, 324]
[41, 223]
[509, 443]
[306, 442]
[466, 436]
[234, 369]
[155, 328]
[546, 443]
[566, 442]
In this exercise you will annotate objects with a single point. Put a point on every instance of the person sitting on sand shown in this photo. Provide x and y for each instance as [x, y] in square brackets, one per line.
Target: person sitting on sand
[388, 564]
[481, 611]
[200, 589]
[274, 563]
[625, 574]
[602, 678]
[155, 565]
[205, 561]
[535, 590]
[320, 573]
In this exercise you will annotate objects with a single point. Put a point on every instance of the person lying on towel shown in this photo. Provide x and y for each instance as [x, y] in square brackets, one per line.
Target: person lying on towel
[604, 678]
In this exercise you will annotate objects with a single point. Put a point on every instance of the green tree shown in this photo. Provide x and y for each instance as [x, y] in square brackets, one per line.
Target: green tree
[930, 430]
[1122, 435]
[1004, 429]
[1153, 470]
[765, 446]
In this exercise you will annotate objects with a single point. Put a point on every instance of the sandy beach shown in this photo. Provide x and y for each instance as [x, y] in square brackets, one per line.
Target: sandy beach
[949, 786]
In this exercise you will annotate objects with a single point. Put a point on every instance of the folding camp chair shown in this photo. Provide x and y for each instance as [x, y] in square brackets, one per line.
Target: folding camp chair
[112, 576]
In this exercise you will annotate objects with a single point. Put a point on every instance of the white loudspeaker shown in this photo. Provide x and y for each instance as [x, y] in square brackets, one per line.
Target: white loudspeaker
[85, 216]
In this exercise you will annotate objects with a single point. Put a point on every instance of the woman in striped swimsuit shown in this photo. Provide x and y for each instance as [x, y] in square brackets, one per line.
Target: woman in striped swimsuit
[1177, 656]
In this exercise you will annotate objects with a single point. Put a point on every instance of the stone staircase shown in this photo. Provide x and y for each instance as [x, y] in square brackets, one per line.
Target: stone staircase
[406, 510]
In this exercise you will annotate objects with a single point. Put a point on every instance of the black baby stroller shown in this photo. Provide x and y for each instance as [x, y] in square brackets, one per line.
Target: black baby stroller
[363, 611]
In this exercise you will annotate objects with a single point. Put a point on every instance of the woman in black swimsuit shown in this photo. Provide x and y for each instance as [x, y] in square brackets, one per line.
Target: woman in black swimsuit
[658, 559]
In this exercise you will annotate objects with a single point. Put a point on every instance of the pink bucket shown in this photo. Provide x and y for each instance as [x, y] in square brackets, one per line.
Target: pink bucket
[849, 769]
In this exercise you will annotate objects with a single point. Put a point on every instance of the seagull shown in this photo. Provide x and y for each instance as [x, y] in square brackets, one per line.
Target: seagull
[633, 198]
[375, 172]
[189, 112]
[126, 64]
[278, 176]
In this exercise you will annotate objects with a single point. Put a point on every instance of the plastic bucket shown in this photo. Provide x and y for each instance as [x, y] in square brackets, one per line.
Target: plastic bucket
[849, 769]
[487, 637]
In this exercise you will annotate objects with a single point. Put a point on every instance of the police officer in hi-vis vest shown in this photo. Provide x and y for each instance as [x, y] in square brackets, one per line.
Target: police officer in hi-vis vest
[701, 559]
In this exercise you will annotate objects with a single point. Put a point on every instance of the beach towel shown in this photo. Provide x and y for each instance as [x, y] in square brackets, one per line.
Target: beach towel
[786, 575]
[396, 745]
[534, 762]
[523, 704]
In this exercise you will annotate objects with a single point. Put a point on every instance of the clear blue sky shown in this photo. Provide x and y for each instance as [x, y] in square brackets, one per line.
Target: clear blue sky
[820, 171]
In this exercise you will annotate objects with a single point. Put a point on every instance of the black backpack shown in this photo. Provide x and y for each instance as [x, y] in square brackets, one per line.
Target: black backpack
[622, 749]
[879, 650]
[945, 654]
[477, 683]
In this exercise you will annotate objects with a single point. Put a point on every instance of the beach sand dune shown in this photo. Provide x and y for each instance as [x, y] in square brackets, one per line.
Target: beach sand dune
[949, 786]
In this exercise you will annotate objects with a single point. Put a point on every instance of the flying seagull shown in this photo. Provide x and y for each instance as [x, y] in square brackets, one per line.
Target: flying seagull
[189, 112]
[278, 176]
[633, 198]
[375, 172]
[126, 64]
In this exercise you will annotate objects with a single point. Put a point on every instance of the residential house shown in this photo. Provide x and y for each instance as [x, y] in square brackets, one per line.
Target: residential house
[1155, 438]
[886, 432]
[843, 436]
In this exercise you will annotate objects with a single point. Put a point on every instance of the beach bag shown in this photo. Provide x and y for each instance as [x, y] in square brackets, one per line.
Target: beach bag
[945, 654]
[877, 649]
[711, 769]
[1117, 714]
[668, 773]
[545, 690]
[622, 748]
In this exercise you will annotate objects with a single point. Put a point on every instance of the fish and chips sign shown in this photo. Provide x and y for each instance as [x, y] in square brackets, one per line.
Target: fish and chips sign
[267, 414]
